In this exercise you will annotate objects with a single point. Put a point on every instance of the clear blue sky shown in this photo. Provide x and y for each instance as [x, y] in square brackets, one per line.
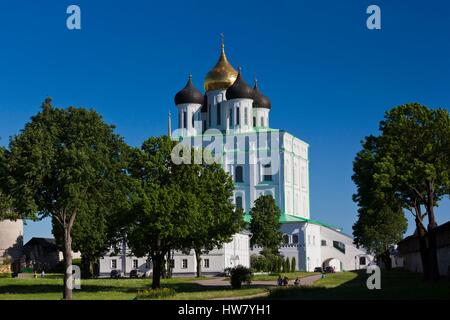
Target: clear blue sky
[329, 78]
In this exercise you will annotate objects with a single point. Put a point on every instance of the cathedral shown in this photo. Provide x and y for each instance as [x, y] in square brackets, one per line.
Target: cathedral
[232, 120]
[234, 117]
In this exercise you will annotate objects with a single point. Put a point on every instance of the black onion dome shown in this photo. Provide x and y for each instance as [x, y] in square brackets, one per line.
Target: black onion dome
[260, 100]
[239, 89]
[189, 94]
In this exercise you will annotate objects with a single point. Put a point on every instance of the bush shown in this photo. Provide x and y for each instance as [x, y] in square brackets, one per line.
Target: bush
[5, 275]
[287, 265]
[293, 265]
[160, 293]
[259, 263]
[238, 275]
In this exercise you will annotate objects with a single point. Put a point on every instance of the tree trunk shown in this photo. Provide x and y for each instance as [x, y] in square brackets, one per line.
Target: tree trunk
[67, 293]
[198, 257]
[386, 258]
[157, 260]
[86, 266]
[434, 265]
[423, 248]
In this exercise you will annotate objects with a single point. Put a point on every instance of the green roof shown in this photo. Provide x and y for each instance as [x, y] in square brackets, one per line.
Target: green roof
[288, 218]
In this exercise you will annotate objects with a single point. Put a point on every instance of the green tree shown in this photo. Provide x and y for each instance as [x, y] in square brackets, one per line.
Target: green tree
[6, 211]
[217, 220]
[162, 213]
[381, 222]
[65, 161]
[287, 265]
[265, 224]
[293, 265]
[412, 165]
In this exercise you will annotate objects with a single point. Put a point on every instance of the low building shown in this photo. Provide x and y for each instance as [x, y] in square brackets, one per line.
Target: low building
[410, 251]
[236, 252]
[41, 254]
[318, 245]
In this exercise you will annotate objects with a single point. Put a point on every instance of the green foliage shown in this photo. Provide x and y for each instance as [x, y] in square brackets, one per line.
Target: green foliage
[238, 275]
[287, 265]
[265, 224]
[65, 163]
[216, 219]
[6, 205]
[293, 265]
[60, 267]
[406, 167]
[160, 293]
[267, 263]
[259, 263]
[5, 275]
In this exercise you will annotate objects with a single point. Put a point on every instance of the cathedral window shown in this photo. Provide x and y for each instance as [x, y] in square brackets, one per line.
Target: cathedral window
[239, 202]
[245, 116]
[295, 238]
[184, 119]
[285, 239]
[238, 174]
[254, 121]
[262, 121]
[267, 176]
[231, 118]
[237, 116]
[219, 120]
[209, 115]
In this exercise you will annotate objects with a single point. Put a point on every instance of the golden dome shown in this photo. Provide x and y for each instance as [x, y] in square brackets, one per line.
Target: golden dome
[222, 75]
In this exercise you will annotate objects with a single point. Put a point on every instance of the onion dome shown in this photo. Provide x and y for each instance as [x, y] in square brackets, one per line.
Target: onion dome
[240, 89]
[222, 75]
[189, 94]
[260, 100]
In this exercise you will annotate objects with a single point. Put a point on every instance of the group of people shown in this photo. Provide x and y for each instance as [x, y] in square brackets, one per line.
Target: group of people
[42, 274]
[283, 282]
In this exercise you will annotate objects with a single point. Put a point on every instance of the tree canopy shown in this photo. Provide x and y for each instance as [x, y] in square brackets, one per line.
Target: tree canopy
[64, 162]
[408, 166]
[265, 224]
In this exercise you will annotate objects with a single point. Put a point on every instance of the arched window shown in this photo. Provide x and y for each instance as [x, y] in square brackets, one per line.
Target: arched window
[295, 238]
[219, 120]
[239, 202]
[238, 116]
[285, 239]
[238, 174]
[267, 173]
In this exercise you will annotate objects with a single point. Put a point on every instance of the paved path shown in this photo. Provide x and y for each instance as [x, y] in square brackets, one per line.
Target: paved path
[221, 282]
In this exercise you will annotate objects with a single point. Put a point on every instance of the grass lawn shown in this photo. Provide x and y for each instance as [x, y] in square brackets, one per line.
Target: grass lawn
[112, 289]
[395, 284]
[290, 276]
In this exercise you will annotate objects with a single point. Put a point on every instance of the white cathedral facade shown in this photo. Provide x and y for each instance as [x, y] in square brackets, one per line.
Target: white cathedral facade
[232, 119]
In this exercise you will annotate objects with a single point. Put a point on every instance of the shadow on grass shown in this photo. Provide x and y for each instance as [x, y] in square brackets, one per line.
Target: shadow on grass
[395, 284]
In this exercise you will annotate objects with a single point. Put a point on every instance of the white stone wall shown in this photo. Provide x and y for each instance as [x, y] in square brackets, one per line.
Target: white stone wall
[295, 176]
[219, 259]
[350, 260]
[11, 238]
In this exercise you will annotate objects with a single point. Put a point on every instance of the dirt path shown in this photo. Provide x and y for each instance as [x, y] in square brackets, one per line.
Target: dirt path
[221, 282]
